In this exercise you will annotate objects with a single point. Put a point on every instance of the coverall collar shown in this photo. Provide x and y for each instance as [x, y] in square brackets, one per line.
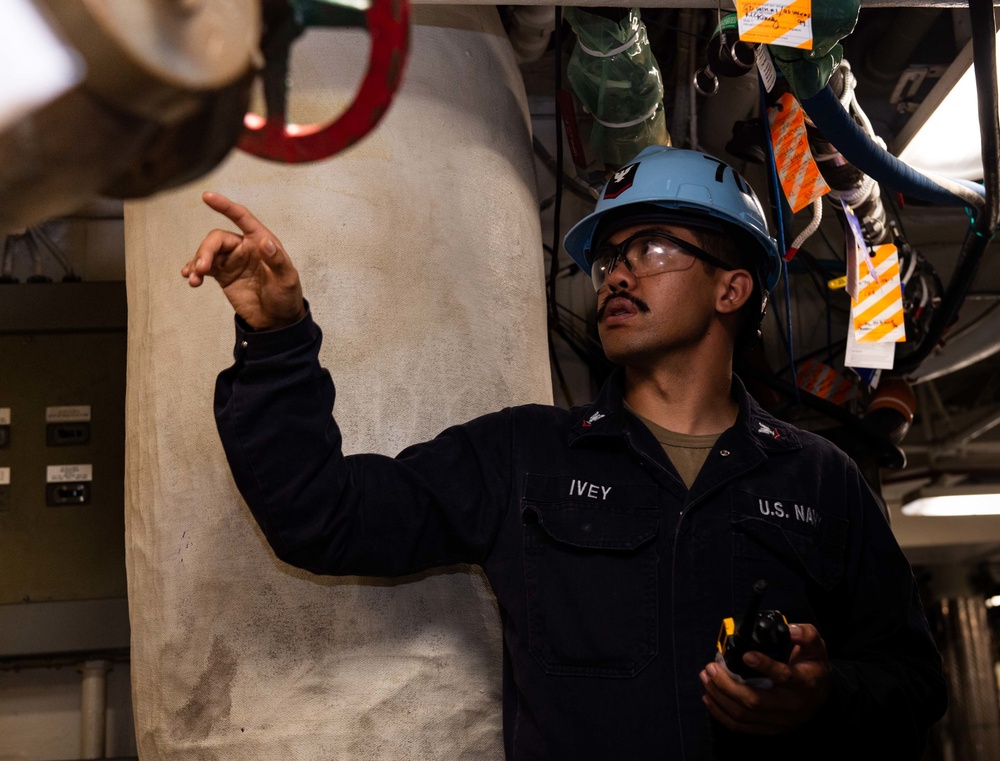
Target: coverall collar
[606, 417]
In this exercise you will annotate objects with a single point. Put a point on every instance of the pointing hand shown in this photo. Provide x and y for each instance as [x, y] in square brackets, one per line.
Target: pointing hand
[253, 269]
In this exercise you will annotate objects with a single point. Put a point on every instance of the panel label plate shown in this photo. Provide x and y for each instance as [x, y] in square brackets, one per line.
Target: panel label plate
[58, 474]
[77, 413]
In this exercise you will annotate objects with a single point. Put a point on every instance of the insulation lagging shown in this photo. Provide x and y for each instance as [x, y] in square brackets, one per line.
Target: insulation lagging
[617, 81]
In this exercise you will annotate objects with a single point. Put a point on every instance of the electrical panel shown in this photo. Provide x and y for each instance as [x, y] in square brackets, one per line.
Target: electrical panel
[62, 442]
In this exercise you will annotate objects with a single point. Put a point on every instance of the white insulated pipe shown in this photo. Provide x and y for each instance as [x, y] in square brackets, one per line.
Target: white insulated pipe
[531, 27]
[93, 707]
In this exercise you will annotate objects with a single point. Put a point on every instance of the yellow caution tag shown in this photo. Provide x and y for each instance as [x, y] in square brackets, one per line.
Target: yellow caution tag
[776, 22]
[837, 283]
[797, 170]
[877, 312]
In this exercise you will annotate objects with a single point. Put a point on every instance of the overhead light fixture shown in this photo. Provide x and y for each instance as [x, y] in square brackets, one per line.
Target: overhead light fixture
[37, 65]
[942, 137]
[949, 501]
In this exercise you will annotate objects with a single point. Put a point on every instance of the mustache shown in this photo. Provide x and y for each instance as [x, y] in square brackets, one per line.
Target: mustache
[641, 305]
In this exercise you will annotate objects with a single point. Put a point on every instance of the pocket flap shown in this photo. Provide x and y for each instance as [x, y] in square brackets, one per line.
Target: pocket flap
[583, 525]
[819, 555]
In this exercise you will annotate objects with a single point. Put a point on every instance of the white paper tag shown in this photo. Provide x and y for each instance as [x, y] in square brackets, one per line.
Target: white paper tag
[765, 66]
[61, 474]
[876, 356]
[4, 476]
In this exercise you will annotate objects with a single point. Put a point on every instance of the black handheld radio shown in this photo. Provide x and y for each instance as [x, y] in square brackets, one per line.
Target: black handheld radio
[763, 631]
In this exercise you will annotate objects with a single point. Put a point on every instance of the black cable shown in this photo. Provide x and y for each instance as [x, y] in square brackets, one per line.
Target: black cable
[890, 455]
[584, 345]
[675, 28]
[554, 261]
[837, 254]
[817, 276]
[778, 324]
[596, 361]
[564, 271]
[576, 186]
[557, 366]
[836, 345]
[578, 317]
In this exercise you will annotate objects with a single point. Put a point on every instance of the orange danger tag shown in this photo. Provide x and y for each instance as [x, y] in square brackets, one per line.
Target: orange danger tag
[797, 170]
[877, 312]
[776, 22]
[821, 380]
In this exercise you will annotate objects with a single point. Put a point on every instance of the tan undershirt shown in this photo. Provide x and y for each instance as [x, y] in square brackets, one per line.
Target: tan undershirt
[687, 452]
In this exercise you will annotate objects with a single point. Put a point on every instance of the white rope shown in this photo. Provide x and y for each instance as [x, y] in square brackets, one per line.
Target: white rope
[802, 237]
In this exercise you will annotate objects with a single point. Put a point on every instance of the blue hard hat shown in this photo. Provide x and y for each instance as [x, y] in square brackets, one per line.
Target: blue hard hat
[697, 187]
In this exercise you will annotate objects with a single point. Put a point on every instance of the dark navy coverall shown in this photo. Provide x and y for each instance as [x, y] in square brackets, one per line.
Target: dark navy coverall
[612, 578]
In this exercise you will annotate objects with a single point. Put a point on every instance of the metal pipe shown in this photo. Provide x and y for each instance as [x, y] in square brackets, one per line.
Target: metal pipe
[957, 442]
[984, 44]
[93, 708]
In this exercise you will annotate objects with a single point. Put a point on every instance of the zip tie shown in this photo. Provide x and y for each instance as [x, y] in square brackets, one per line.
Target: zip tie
[632, 123]
[597, 54]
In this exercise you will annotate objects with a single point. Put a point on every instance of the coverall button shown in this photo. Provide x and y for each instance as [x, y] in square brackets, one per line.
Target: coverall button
[244, 344]
[724, 452]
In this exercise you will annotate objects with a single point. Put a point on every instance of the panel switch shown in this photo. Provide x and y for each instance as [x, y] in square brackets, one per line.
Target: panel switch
[68, 484]
[4, 427]
[67, 434]
[57, 495]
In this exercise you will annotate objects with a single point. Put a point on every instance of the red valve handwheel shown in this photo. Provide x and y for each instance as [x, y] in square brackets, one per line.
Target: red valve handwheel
[273, 138]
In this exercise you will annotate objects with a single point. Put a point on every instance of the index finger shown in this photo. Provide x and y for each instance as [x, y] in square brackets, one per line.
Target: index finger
[808, 638]
[766, 666]
[237, 213]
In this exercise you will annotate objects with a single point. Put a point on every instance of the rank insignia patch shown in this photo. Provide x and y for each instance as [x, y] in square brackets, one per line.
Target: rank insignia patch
[621, 181]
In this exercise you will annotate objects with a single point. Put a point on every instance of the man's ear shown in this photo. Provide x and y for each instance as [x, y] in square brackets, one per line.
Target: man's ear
[736, 286]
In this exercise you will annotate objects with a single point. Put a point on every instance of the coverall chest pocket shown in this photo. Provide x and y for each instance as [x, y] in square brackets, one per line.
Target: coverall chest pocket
[591, 576]
[791, 541]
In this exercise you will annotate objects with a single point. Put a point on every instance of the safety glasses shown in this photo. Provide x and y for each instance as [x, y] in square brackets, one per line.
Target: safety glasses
[648, 253]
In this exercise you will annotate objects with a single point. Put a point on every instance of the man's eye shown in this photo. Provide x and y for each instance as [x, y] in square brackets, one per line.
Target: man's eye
[603, 258]
[654, 247]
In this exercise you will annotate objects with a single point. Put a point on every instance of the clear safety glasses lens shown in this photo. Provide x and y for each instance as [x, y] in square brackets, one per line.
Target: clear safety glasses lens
[645, 254]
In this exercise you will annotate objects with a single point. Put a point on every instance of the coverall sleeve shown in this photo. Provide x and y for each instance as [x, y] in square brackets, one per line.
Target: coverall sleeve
[437, 503]
[888, 683]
